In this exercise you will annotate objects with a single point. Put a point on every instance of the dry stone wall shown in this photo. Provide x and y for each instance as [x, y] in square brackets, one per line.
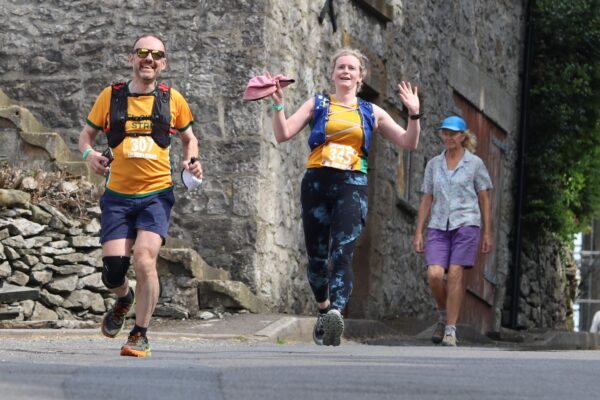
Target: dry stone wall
[548, 285]
[43, 249]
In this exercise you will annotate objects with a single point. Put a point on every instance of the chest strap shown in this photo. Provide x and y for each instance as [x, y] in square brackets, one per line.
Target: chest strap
[160, 117]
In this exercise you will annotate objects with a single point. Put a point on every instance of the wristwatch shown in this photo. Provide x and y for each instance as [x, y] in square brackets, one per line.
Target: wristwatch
[415, 116]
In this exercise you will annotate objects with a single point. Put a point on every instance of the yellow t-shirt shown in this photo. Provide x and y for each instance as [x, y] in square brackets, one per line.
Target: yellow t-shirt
[140, 166]
[344, 138]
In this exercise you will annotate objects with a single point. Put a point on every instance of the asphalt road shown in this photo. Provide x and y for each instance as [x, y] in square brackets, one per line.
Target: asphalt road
[91, 368]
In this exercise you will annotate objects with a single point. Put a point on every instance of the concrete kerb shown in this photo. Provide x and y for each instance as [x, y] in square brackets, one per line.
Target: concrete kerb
[561, 340]
[287, 328]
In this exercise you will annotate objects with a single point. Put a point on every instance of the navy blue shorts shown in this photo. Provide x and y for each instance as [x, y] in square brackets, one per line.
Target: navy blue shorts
[123, 216]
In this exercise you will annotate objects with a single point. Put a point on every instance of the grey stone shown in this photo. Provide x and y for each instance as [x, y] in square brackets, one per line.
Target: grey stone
[64, 220]
[93, 227]
[10, 312]
[14, 198]
[51, 251]
[85, 241]
[18, 278]
[94, 211]
[24, 227]
[49, 299]
[40, 216]
[5, 270]
[171, 311]
[10, 293]
[228, 294]
[63, 285]
[59, 244]
[206, 315]
[41, 313]
[80, 300]
[92, 282]
[75, 232]
[55, 235]
[46, 260]
[84, 270]
[187, 261]
[12, 213]
[69, 187]
[20, 266]
[37, 241]
[27, 307]
[16, 242]
[41, 277]
[11, 254]
[67, 316]
[41, 266]
[69, 269]
[30, 260]
[74, 258]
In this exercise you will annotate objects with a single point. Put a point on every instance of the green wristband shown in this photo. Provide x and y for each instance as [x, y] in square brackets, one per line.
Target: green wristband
[277, 107]
[86, 153]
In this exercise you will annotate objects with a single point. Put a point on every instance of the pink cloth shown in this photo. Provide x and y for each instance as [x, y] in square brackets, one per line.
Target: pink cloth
[260, 86]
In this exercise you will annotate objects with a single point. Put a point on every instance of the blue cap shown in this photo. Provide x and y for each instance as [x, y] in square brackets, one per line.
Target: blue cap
[454, 123]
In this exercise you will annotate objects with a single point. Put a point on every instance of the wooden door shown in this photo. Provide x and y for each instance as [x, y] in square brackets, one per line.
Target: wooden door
[478, 306]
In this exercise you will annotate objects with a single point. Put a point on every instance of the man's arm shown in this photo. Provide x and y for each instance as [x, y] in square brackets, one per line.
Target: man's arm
[95, 160]
[190, 150]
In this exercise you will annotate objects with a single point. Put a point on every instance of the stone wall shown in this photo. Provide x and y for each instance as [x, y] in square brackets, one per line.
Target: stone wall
[548, 285]
[51, 262]
[51, 254]
[57, 56]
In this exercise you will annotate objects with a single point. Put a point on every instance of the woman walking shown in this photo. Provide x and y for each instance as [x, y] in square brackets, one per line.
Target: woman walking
[456, 196]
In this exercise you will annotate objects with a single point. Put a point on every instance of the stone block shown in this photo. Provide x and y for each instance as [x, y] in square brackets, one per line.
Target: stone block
[10, 293]
[187, 262]
[9, 312]
[229, 294]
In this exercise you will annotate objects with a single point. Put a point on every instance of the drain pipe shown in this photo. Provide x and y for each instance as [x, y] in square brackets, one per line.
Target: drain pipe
[521, 166]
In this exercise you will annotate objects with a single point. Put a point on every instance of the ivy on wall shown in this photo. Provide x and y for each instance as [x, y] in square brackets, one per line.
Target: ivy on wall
[563, 150]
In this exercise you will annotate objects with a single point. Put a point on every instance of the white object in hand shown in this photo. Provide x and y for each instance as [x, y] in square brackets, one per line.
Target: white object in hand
[190, 181]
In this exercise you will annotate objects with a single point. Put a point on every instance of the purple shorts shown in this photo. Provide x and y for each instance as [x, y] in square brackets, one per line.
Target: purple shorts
[458, 246]
[123, 216]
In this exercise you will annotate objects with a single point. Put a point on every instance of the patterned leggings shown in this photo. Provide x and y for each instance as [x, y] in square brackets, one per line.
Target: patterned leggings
[334, 211]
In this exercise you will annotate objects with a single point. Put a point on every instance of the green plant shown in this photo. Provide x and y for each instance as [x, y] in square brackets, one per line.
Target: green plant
[563, 156]
[280, 340]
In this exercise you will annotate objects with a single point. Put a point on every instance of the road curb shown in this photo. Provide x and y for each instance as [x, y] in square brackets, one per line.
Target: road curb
[288, 328]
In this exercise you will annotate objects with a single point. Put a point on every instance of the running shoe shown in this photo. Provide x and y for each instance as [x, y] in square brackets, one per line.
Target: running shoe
[136, 346]
[333, 327]
[114, 320]
[449, 340]
[318, 330]
[438, 332]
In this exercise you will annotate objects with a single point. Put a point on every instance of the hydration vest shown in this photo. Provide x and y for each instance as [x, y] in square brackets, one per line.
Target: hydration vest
[320, 117]
[161, 116]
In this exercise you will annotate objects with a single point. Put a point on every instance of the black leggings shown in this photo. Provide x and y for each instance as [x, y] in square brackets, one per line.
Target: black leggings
[334, 211]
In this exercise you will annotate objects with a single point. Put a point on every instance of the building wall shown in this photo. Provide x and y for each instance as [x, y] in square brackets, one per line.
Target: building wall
[57, 56]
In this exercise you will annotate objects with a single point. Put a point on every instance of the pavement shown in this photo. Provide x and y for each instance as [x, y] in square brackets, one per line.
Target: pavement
[285, 328]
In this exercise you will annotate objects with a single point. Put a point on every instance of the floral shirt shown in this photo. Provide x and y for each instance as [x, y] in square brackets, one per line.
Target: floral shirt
[455, 201]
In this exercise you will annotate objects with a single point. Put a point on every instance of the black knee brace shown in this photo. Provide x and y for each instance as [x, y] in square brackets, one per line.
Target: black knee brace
[114, 271]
